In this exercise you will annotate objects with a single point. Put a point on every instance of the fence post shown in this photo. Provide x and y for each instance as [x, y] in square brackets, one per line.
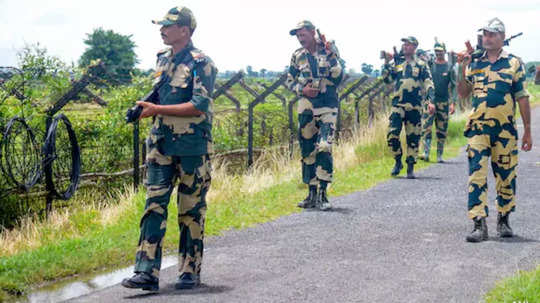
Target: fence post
[291, 127]
[136, 155]
[143, 157]
[250, 134]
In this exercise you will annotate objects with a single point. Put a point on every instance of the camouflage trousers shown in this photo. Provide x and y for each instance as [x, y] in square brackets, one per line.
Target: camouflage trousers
[504, 160]
[193, 174]
[316, 135]
[440, 117]
[411, 118]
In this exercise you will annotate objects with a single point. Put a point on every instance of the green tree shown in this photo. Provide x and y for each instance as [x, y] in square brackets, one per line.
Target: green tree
[367, 68]
[115, 50]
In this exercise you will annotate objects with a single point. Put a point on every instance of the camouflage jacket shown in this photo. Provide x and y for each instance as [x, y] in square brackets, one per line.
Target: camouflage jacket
[322, 69]
[411, 78]
[187, 76]
[495, 89]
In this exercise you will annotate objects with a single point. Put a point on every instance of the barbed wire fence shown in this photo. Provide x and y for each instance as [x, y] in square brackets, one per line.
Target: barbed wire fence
[256, 114]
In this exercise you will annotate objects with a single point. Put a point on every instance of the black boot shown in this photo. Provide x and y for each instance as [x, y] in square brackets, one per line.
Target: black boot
[410, 170]
[397, 167]
[187, 281]
[503, 227]
[322, 200]
[310, 200]
[142, 280]
[440, 149]
[480, 232]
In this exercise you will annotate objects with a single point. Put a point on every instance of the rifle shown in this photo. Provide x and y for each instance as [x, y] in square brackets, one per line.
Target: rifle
[479, 51]
[134, 112]
[397, 56]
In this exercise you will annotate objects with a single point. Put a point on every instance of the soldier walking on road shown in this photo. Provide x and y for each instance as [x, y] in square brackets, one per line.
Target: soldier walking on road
[496, 81]
[314, 74]
[179, 145]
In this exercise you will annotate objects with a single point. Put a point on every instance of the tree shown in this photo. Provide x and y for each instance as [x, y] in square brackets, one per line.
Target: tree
[250, 72]
[116, 51]
[263, 72]
[367, 68]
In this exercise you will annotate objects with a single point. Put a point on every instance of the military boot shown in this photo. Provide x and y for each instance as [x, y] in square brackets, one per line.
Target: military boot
[310, 200]
[480, 231]
[427, 146]
[439, 153]
[142, 280]
[410, 170]
[503, 227]
[397, 167]
[187, 281]
[322, 200]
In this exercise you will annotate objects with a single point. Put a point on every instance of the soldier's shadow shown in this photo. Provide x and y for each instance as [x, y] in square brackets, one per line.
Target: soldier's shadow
[169, 291]
[514, 239]
[339, 210]
[419, 177]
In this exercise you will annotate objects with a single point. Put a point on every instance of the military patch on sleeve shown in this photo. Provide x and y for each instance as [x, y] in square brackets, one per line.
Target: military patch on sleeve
[198, 56]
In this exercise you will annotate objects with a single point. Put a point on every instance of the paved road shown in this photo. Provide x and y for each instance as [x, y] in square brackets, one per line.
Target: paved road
[401, 241]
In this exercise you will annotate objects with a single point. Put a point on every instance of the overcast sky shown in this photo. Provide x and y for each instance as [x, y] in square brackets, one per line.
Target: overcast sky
[236, 33]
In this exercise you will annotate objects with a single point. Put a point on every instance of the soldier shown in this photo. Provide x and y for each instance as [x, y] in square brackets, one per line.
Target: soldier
[314, 74]
[411, 76]
[496, 81]
[179, 145]
[444, 82]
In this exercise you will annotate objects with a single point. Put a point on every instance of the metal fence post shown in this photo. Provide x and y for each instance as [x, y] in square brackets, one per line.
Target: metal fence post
[136, 155]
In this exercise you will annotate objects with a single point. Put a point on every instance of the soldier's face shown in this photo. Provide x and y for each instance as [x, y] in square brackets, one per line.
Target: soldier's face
[492, 41]
[174, 34]
[306, 37]
[439, 55]
[408, 49]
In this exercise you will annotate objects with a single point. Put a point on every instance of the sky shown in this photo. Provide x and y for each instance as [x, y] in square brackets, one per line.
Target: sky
[237, 33]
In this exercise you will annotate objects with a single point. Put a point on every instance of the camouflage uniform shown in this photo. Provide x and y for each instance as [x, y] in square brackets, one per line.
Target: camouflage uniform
[178, 148]
[410, 78]
[492, 131]
[316, 116]
[444, 79]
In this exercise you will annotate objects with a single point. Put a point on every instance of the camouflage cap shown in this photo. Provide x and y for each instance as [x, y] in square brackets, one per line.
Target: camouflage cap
[494, 25]
[410, 39]
[178, 15]
[302, 24]
[439, 47]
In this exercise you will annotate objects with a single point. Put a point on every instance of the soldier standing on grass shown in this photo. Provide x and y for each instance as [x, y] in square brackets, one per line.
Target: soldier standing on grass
[314, 74]
[179, 145]
[496, 81]
[444, 81]
[411, 75]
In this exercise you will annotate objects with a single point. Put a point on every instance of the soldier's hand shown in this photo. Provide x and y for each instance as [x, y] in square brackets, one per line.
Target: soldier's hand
[309, 91]
[149, 109]
[464, 59]
[387, 57]
[526, 141]
[452, 108]
[431, 108]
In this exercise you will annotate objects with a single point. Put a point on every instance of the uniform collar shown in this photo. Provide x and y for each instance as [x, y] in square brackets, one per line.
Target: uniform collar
[504, 54]
[182, 53]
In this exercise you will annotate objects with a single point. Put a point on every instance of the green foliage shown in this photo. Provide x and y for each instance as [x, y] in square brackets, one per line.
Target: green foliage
[523, 287]
[530, 68]
[115, 50]
[367, 68]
